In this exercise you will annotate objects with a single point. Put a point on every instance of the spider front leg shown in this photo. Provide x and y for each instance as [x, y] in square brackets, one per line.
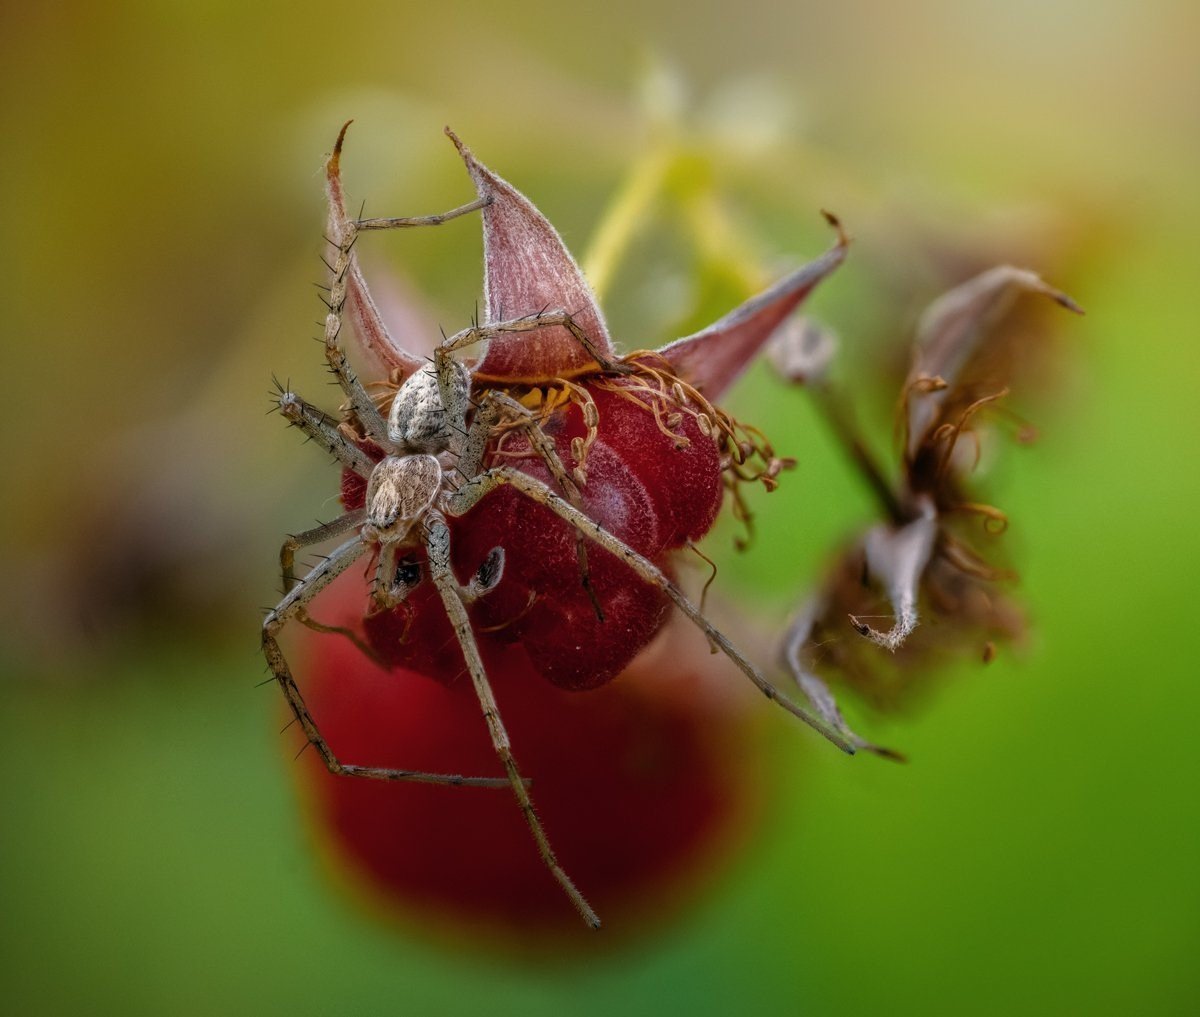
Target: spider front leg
[324, 430]
[530, 323]
[437, 544]
[473, 449]
[492, 407]
[470, 464]
[408, 222]
[469, 494]
[360, 400]
[292, 606]
[474, 446]
[348, 295]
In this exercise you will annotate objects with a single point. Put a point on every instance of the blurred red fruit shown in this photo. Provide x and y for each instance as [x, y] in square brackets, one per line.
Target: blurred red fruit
[644, 785]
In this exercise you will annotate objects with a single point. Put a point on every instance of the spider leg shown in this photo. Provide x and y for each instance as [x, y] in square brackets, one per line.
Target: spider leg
[348, 292]
[306, 538]
[471, 492]
[291, 606]
[474, 446]
[488, 415]
[471, 464]
[324, 430]
[407, 222]
[360, 400]
[365, 319]
[437, 542]
[529, 323]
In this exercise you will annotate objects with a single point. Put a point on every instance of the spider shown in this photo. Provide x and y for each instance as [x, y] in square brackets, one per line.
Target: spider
[435, 443]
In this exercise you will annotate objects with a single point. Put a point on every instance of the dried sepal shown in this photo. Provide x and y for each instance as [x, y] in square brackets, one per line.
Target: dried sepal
[961, 613]
[715, 357]
[949, 334]
[527, 269]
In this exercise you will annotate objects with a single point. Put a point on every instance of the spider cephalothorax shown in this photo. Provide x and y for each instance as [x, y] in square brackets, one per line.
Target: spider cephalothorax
[404, 488]
[558, 519]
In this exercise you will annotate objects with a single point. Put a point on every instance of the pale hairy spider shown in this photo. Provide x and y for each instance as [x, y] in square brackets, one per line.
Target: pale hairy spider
[435, 442]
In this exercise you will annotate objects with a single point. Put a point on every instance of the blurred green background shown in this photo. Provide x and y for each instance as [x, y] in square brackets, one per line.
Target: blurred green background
[162, 218]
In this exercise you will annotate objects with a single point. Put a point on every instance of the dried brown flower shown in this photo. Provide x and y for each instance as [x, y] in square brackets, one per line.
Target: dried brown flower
[927, 558]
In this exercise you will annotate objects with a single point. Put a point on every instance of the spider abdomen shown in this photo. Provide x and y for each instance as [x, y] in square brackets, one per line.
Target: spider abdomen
[418, 421]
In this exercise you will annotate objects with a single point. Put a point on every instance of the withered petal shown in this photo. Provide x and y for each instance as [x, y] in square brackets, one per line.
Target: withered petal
[950, 332]
[715, 357]
[897, 557]
[528, 269]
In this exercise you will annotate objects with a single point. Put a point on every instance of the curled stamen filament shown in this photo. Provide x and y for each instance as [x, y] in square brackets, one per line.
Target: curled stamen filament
[966, 560]
[994, 521]
[951, 432]
[582, 398]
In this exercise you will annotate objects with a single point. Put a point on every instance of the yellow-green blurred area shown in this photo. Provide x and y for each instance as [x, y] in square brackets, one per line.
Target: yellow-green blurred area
[161, 230]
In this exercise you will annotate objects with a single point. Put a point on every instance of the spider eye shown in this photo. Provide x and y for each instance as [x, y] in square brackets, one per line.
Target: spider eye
[491, 570]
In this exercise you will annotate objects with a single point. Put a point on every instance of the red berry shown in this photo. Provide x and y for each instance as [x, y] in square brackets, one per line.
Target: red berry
[643, 785]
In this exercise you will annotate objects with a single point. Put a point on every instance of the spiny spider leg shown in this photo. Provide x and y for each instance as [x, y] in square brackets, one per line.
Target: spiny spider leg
[490, 406]
[528, 323]
[471, 464]
[470, 493]
[293, 603]
[325, 431]
[347, 283]
[365, 320]
[306, 538]
[487, 416]
[475, 447]
[437, 543]
[407, 222]
[360, 401]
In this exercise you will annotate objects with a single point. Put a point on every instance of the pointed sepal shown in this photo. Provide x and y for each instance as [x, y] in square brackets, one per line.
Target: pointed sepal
[528, 269]
[715, 357]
